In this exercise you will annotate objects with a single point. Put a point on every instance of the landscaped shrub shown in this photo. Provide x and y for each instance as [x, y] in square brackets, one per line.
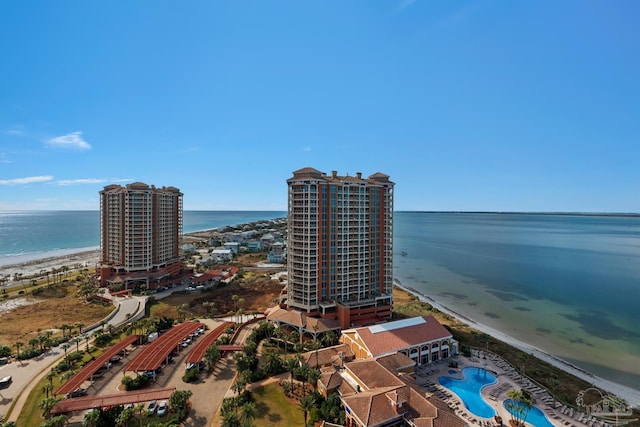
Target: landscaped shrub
[103, 340]
[5, 351]
[136, 383]
[62, 367]
[75, 356]
[190, 375]
[30, 353]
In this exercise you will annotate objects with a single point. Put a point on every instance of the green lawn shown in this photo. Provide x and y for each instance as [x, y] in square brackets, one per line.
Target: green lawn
[274, 409]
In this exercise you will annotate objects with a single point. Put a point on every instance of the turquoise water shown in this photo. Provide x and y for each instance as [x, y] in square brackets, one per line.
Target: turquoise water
[535, 417]
[567, 284]
[468, 389]
[25, 233]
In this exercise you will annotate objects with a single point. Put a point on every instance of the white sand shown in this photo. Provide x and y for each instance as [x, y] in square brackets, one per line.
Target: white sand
[33, 266]
[630, 395]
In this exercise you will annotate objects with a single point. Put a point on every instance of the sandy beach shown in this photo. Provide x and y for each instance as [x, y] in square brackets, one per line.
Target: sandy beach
[88, 258]
[31, 265]
[630, 395]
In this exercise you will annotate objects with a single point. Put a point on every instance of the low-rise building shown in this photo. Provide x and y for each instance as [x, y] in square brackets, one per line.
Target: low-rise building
[382, 391]
[221, 255]
[233, 246]
[423, 339]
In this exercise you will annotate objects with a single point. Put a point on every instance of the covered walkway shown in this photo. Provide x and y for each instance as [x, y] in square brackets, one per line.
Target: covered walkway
[90, 369]
[153, 355]
[90, 402]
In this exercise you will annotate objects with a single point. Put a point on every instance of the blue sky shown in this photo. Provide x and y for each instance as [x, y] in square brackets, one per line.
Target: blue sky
[466, 105]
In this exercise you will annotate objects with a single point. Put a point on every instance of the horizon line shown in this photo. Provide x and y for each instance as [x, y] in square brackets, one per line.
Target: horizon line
[495, 212]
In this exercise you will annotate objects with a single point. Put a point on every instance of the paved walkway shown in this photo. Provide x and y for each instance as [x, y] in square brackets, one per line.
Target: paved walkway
[26, 374]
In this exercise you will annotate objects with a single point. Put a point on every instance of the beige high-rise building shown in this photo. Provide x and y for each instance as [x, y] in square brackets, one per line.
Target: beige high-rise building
[340, 246]
[140, 231]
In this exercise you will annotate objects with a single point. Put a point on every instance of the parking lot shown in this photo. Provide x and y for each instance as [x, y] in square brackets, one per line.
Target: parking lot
[207, 391]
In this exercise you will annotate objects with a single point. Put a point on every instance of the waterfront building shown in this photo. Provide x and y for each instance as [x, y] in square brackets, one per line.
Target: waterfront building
[340, 246]
[422, 339]
[140, 231]
[377, 392]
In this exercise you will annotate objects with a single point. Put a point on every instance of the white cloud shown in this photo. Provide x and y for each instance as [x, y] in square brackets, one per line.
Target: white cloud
[15, 132]
[70, 140]
[306, 149]
[81, 181]
[26, 181]
[3, 158]
[65, 182]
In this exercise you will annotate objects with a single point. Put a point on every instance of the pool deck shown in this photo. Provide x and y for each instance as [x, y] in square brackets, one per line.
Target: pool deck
[495, 394]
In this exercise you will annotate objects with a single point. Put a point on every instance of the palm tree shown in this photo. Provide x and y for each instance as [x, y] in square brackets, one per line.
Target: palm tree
[18, 344]
[125, 416]
[272, 362]
[518, 405]
[210, 308]
[313, 376]
[57, 421]
[329, 338]
[79, 325]
[291, 365]
[182, 311]
[230, 420]
[139, 409]
[47, 405]
[306, 403]
[235, 298]
[65, 347]
[92, 418]
[33, 343]
[553, 383]
[247, 413]
[523, 359]
[46, 388]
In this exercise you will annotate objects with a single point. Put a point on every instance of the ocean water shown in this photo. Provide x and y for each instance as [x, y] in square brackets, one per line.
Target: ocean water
[569, 285]
[27, 235]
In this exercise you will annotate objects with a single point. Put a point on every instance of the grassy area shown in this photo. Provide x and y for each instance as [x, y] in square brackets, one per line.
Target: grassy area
[31, 414]
[52, 307]
[273, 408]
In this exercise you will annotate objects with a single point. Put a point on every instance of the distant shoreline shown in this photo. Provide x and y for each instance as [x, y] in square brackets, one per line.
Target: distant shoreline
[632, 396]
[593, 214]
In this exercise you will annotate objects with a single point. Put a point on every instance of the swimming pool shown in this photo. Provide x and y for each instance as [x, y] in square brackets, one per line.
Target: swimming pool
[535, 417]
[468, 389]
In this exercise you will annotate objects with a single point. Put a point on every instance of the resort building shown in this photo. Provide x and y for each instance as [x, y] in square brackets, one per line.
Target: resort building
[140, 230]
[382, 392]
[340, 246]
[422, 339]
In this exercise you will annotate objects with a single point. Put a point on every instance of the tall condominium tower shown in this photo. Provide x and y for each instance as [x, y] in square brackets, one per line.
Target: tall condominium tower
[140, 230]
[340, 246]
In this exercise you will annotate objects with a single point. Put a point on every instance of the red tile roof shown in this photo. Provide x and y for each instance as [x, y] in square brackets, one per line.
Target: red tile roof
[385, 338]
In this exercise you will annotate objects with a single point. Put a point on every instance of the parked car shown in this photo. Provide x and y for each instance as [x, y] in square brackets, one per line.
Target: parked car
[5, 381]
[77, 393]
[162, 408]
[115, 358]
[153, 407]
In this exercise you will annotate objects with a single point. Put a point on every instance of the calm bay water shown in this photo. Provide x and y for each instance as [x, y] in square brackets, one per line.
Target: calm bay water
[569, 285]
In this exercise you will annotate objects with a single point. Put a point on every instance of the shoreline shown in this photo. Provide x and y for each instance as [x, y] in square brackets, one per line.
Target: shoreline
[32, 264]
[632, 396]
